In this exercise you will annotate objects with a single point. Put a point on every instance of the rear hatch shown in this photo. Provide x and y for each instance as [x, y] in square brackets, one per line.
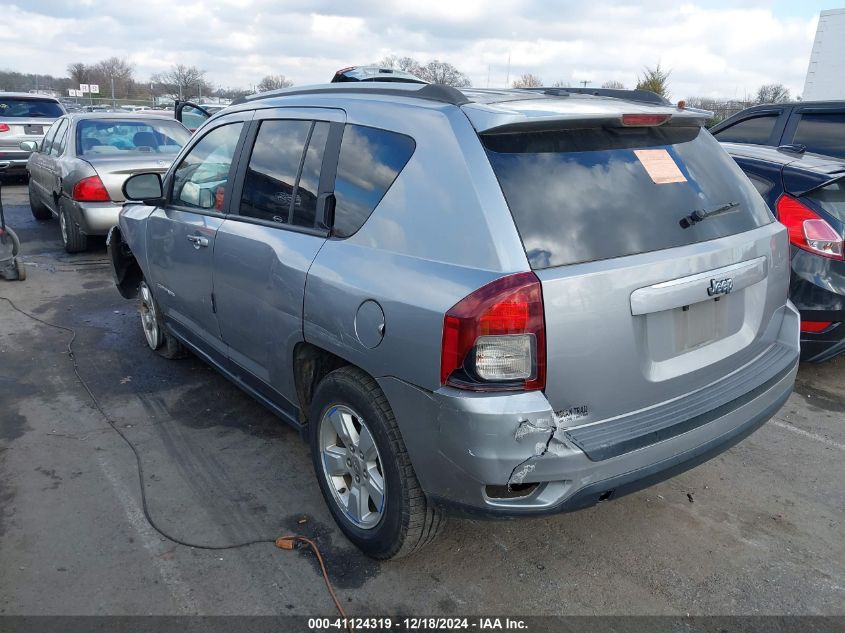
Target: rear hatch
[648, 323]
[25, 119]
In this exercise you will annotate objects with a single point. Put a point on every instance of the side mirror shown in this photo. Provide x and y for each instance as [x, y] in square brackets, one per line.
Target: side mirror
[144, 188]
[29, 146]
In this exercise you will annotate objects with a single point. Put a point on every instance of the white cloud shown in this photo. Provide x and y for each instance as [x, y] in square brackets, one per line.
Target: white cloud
[716, 51]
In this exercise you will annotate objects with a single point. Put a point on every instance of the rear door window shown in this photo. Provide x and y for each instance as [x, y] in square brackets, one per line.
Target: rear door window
[589, 194]
[822, 133]
[268, 190]
[370, 160]
[59, 142]
[756, 130]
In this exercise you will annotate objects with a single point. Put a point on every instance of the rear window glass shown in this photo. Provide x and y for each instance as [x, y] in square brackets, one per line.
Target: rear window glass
[756, 130]
[822, 133]
[584, 194]
[107, 136]
[29, 108]
[370, 160]
[831, 199]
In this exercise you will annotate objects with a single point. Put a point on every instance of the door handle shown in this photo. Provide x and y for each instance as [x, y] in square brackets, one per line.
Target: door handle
[198, 240]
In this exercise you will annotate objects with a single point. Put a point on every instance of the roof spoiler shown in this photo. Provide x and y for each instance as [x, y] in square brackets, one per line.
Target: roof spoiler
[645, 96]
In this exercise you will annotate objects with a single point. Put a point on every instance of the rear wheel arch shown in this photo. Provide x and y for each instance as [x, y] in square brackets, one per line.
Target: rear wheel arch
[126, 271]
[310, 365]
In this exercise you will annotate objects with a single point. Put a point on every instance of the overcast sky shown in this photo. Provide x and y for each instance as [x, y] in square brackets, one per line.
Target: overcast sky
[714, 48]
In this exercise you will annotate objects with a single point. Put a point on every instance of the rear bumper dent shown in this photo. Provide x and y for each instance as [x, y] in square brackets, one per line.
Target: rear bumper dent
[467, 449]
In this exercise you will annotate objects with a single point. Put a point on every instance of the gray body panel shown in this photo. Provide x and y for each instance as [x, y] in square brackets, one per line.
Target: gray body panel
[634, 338]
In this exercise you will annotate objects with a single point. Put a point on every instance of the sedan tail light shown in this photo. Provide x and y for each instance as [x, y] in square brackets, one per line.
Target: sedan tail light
[4, 127]
[90, 189]
[495, 339]
[807, 229]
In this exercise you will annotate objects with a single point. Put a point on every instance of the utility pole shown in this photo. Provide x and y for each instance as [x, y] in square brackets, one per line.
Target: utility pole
[508, 80]
[488, 75]
[113, 102]
[584, 82]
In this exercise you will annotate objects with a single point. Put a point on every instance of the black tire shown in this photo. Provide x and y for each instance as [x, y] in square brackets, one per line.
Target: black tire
[40, 211]
[408, 520]
[162, 342]
[74, 240]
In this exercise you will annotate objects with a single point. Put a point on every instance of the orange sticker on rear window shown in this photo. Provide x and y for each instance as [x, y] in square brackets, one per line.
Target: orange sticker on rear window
[660, 166]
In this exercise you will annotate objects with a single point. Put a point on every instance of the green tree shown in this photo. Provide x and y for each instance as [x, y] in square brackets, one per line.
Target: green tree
[655, 79]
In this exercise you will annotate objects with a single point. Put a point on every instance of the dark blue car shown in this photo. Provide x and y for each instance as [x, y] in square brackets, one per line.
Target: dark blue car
[806, 192]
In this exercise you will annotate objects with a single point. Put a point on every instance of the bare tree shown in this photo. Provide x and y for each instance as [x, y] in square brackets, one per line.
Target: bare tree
[772, 93]
[560, 84]
[435, 71]
[78, 72]
[613, 84]
[274, 82]
[527, 80]
[112, 69]
[655, 79]
[184, 81]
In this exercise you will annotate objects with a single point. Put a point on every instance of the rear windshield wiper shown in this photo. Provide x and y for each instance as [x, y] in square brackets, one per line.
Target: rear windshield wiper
[702, 214]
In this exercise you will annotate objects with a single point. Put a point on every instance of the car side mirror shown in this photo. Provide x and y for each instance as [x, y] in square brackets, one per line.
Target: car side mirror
[144, 188]
[29, 146]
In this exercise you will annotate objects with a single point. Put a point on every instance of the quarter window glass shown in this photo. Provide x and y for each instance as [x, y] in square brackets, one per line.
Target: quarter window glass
[200, 180]
[822, 134]
[59, 142]
[831, 199]
[271, 176]
[305, 201]
[756, 130]
[370, 160]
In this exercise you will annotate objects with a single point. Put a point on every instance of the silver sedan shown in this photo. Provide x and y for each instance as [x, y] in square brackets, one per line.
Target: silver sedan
[76, 172]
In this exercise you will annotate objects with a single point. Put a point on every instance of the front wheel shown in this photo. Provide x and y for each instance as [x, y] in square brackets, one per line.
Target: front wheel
[158, 338]
[363, 468]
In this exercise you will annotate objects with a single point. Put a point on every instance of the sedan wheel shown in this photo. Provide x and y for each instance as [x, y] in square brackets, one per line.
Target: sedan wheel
[352, 466]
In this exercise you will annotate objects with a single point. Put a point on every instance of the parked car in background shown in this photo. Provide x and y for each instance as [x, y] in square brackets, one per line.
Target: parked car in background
[375, 73]
[815, 126]
[77, 170]
[807, 194]
[23, 117]
[492, 302]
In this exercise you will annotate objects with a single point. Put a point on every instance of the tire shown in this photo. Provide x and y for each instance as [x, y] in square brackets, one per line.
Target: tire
[21, 269]
[74, 240]
[40, 211]
[405, 521]
[158, 338]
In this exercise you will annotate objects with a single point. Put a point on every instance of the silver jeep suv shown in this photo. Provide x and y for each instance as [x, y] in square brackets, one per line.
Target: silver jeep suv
[478, 302]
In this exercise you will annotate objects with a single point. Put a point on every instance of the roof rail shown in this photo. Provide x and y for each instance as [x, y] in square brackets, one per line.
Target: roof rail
[645, 96]
[429, 92]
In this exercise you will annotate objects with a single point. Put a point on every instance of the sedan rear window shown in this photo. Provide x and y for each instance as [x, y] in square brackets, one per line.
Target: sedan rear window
[588, 194]
[30, 108]
[114, 136]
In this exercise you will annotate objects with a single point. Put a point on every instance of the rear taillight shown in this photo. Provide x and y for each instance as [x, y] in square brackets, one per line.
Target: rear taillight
[644, 120]
[814, 327]
[90, 189]
[807, 229]
[4, 127]
[495, 339]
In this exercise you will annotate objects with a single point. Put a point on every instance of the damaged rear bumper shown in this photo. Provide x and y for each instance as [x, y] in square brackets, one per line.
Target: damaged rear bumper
[504, 455]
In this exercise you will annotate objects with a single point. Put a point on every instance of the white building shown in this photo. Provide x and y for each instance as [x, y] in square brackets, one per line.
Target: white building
[826, 73]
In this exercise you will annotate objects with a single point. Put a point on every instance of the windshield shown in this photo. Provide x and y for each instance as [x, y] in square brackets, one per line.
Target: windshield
[115, 136]
[587, 194]
[29, 108]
